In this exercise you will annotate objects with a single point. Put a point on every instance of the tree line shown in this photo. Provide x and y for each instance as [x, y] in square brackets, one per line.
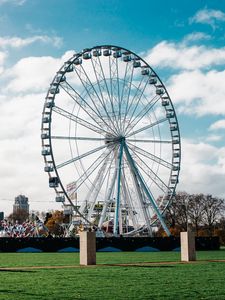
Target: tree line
[203, 214]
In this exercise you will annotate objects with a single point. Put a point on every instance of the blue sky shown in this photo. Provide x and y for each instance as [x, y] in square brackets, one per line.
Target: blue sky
[137, 25]
[182, 40]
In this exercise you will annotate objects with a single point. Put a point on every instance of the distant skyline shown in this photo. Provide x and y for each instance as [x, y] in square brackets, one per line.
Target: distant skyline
[182, 40]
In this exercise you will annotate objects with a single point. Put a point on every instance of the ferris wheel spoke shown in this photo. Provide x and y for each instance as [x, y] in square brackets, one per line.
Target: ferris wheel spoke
[142, 114]
[108, 91]
[128, 97]
[118, 193]
[91, 169]
[150, 173]
[147, 127]
[76, 97]
[98, 183]
[114, 89]
[140, 196]
[127, 196]
[80, 138]
[152, 176]
[98, 80]
[124, 81]
[101, 178]
[137, 100]
[103, 158]
[145, 188]
[107, 198]
[78, 120]
[151, 156]
[81, 156]
[117, 88]
[97, 76]
[150, 141]
[130, 104]
[88, 86]
[87, 83]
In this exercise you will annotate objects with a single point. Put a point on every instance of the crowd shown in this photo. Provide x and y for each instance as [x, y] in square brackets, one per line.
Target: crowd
[26, 229]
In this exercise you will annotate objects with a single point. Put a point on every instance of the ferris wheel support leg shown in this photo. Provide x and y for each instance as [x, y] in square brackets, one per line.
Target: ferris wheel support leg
[146, 216]
[102, 218]
[147, 192]
[128, 202]
[119, 161]
[97, 186]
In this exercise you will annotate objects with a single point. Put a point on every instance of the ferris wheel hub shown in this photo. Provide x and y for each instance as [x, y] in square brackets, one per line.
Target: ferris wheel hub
[117, 139]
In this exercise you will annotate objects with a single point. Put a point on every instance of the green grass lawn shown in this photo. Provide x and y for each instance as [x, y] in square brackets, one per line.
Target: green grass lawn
[202, 280]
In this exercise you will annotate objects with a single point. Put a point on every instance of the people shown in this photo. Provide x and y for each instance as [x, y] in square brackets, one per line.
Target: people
[26, 229]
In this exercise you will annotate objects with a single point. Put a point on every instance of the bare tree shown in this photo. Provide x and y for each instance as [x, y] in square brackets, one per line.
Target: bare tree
[196, 211]
[213, 210]
[176, 213]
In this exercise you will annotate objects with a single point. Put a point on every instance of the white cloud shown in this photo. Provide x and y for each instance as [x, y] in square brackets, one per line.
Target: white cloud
[203, 168]
[198, 93]
[17, 42]
[21, 105]
[196, 36]
[200, 152]
[19, 113]
[208, 16]
[197, 74]
[3, 56]
[181, 56]
[214, 138]
[218, 125]
[14, 2]
[20, 155]
[33, 74]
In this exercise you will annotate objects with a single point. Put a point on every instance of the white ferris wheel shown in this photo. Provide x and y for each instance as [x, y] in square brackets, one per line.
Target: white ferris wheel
[109, 127]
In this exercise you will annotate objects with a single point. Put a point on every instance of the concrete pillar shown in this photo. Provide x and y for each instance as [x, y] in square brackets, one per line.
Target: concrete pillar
[187, 241]
[87, 248]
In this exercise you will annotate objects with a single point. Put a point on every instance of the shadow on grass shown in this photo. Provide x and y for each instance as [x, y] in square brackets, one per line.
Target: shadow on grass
[18, 292]
[138, 266]
[154, 266]
[16, 271]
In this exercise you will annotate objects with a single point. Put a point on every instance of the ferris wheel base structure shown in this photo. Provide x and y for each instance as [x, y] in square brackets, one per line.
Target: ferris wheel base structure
[109, 128]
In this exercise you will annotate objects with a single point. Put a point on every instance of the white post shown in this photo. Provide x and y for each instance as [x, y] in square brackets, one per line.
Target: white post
[187, 241]
[87, 248]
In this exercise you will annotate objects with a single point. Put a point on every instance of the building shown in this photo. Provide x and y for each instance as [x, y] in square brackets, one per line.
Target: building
[21, 203]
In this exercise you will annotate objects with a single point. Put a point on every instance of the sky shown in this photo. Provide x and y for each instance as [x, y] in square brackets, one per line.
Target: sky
[184, 42]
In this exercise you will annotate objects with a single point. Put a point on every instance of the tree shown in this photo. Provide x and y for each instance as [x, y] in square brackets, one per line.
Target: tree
[20, 216]
[176, 213]
[198, 212]
[213, 209]
[195, 211]
[54, 222]
[220, 231]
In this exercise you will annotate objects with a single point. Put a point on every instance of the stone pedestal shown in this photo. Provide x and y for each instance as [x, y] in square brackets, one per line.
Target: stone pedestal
[187, 241]
[87, 248]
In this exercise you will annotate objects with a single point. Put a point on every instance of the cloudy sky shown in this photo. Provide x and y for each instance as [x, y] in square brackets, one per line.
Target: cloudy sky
[182, 40]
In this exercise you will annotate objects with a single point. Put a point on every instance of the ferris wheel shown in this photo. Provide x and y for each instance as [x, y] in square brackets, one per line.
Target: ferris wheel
[109, 129]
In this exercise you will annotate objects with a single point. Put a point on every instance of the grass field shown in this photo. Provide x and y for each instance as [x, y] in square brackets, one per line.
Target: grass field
[136, 278]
